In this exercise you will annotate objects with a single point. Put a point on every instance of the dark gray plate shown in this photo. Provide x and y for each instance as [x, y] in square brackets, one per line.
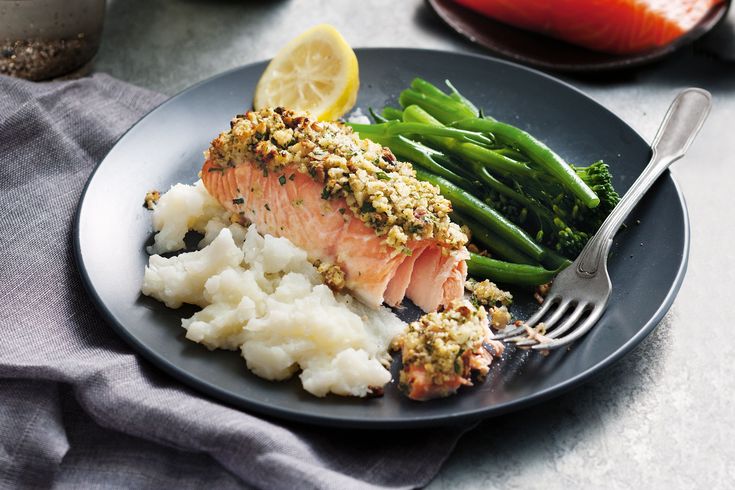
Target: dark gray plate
[165, 147]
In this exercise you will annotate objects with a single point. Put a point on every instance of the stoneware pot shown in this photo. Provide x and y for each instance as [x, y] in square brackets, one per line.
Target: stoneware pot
[42, 39]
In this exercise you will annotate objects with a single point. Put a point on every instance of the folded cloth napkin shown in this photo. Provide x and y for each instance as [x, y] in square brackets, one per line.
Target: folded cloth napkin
[78, 407]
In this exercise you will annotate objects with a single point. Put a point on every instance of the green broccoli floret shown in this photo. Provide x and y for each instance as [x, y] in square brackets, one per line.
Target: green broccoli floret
[598, 177]
[554, 217]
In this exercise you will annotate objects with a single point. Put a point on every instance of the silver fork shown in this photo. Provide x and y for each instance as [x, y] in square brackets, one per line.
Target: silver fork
[584, 287]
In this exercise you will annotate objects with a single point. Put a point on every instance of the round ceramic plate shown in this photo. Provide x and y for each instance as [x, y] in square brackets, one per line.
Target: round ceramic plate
[541, 51]
[165, 147]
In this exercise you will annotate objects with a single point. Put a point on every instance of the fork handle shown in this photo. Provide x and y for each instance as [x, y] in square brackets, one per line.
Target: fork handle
[680, 126]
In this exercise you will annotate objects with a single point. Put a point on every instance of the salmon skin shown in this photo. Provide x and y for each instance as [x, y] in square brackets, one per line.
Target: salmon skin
[381, 233]
[611, 26]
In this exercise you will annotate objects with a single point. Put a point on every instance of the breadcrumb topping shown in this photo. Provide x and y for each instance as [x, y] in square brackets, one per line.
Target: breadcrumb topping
[500, 317]
[382, 191]
[438, 341]
[151, 199]
[486, 293]
[333, 275]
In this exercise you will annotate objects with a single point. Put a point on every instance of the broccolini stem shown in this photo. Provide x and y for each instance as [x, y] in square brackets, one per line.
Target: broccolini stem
[422, 86]
[538, 152]
[422, 156]
[507, 272]
[468, 152]
[392, 114]
[484, 214]
[377, 117]
[554, 261]
[542, 214]
[445, 111]
[488, 240]
[511, 153]
[456, 95]
[396, 128]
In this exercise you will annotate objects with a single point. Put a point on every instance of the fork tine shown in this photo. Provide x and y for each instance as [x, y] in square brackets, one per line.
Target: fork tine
[548, 303]
[572, 319]
[510, 333]
[576, 315]
[583, 329]
[531, 321]
[563, 307]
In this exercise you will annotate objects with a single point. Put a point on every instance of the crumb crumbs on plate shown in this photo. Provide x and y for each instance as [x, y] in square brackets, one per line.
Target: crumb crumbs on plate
[151, 198]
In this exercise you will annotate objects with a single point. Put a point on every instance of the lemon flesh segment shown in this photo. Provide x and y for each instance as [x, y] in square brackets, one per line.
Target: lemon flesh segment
[315, 72]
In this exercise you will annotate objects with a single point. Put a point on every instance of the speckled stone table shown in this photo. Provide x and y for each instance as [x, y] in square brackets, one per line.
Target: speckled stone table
[663, 417]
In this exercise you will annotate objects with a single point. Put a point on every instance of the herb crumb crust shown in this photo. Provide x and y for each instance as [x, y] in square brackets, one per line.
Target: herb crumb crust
[439, 342]
[380, 190]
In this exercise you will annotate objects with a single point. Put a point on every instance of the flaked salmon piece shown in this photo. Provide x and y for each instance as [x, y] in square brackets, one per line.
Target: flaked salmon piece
[418, 384]
[441, 351]
[329, 232]
[347, 202]
[613, 26]
[435, 264]
[398, 285]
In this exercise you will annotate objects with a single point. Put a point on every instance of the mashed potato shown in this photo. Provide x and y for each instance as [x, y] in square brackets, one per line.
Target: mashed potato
[260, 295]
[184, 208]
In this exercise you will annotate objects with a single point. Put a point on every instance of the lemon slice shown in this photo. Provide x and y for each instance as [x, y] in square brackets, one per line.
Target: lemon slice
[315, 72]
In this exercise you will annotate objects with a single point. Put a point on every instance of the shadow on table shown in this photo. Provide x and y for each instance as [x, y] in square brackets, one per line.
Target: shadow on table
[525, 436]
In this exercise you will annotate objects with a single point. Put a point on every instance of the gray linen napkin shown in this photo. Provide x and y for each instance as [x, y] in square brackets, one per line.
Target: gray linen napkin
[78, 408]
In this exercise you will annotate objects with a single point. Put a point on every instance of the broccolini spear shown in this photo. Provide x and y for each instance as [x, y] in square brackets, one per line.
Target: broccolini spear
[392, 114]
[468, 204]
[508, 273]
[554, 217]
[473, 155]
[427, 158]
[538, 152]
[559, 204]
[481, 235]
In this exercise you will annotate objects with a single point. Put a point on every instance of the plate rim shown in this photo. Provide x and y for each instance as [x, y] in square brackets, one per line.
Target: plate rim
[269, 411]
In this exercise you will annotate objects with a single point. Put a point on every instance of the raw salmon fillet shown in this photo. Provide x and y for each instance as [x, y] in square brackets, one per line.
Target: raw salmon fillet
[612, 26]
[291, 202]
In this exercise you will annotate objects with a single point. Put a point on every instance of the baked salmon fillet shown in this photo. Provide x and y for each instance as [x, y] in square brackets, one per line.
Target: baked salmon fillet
[360, 214]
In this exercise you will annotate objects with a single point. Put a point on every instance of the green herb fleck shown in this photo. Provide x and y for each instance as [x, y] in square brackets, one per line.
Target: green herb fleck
[382, 176]
[367, 207]
[458, 365]
[292, 176]
[325, 193]
[282, 180]
[238, 200]
[342, 210]
[215, 169]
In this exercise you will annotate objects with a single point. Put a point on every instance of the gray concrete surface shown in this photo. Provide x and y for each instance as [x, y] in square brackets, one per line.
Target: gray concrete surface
[663, 417]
